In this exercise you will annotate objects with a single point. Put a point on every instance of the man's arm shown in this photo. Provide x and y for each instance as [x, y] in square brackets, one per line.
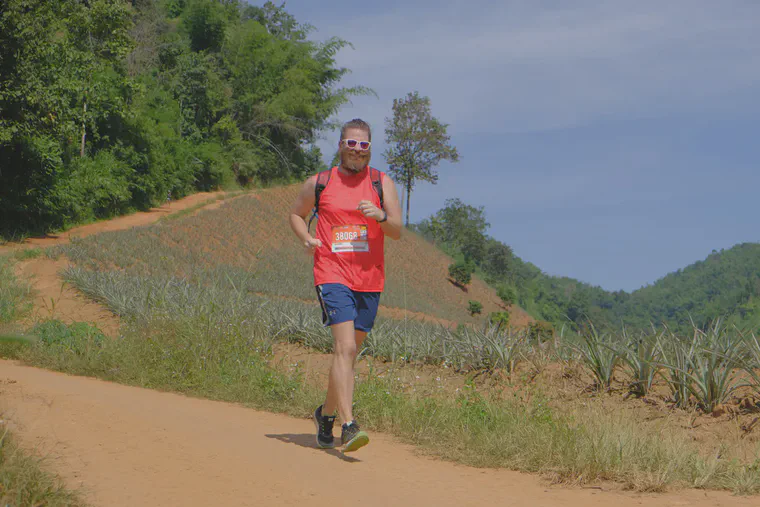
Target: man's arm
[391, 227]
[301, 207]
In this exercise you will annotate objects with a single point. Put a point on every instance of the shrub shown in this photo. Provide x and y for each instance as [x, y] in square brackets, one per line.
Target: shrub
[540, 331]
[92, 187]
[461, 273]
[75, 338]
[599, 354]
[474, 307]
[507, 294]
[499, 320]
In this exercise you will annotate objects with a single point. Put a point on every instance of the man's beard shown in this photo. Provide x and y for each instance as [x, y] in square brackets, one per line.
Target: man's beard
[354, 163]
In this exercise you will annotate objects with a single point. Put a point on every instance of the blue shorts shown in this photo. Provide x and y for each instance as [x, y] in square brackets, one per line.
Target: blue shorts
[341, 304]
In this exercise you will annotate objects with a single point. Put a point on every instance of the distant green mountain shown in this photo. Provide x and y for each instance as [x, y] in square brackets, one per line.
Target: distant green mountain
[725, 285]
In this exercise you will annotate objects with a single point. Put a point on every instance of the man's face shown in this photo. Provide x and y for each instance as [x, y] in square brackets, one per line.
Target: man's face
[354, 159]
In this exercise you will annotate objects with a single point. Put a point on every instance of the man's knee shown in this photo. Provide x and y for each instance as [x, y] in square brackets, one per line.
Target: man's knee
[346, 349]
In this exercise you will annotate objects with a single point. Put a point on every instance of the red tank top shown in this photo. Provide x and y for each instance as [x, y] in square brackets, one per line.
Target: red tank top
[352, 244]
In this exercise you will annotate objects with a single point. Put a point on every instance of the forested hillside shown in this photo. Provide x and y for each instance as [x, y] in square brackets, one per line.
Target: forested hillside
[725, 285]
[109, 105]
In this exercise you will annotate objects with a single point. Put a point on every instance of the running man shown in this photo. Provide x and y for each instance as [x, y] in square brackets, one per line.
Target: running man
[358, 206]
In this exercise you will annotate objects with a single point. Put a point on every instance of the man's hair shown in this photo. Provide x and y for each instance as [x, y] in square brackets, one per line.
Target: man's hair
[356, 123]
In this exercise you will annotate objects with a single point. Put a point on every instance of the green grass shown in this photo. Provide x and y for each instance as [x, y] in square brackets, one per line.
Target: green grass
[14, 237]
[23, 480]
[14, 295]
[28, 253]
[12, 343]
[200, 357]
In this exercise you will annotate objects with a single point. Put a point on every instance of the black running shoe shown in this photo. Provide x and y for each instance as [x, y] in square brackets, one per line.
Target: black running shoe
[352, 437]
[324, 425]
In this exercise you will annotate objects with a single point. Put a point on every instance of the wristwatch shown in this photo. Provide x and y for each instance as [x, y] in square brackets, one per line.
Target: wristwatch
[385, 217]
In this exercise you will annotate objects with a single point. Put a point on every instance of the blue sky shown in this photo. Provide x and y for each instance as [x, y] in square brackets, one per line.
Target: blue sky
[613, 142]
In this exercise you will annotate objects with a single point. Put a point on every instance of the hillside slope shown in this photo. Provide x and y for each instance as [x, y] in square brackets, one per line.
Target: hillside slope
[251, 235]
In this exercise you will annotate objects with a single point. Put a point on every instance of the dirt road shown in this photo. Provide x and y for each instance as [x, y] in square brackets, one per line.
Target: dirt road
[128, 446]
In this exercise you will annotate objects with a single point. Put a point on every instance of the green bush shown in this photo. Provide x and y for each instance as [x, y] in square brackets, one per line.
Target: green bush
[11, 345]
[210, 165]
[507, 294]
[461, 273]
[500, 320]
[77, 337]
[175, 7]
[93, 187]
[474, 307]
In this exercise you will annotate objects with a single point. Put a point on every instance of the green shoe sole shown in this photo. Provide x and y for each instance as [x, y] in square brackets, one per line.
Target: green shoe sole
[360, 440]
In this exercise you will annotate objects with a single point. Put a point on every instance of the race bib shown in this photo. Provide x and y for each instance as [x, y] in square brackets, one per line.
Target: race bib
[349, 238]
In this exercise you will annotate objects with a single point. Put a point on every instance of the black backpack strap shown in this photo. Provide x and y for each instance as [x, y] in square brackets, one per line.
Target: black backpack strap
[323, 178]
[377, 184]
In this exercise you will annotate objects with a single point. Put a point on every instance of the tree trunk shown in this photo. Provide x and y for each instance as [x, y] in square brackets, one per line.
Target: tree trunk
[402, 196]
[84, 130]
[408, 196]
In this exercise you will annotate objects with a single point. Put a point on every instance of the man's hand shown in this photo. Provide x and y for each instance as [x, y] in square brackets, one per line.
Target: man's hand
[369, 210]
[312, 244]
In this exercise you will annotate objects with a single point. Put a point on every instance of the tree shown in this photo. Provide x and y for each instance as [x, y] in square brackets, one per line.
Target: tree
[461, 273]
[579, 306]
[107, 105]
[507, 294]
[206, 23]
[417, 143]
[61, 82]
[284, 89]
[461, 227]
[498, 259]
[431, 229]
[277, 21]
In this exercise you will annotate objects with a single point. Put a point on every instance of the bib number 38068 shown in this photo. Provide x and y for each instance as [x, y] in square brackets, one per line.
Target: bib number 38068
[349, 238]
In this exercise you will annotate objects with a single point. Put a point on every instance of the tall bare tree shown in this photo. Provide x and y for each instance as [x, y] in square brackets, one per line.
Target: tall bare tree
[417, 142]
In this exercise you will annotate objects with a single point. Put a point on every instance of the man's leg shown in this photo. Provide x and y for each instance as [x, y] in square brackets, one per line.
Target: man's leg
[347, 343]
[340, 386]
[359, 338]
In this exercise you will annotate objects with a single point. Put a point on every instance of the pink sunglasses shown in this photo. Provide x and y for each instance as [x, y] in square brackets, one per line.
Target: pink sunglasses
[363, 145]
